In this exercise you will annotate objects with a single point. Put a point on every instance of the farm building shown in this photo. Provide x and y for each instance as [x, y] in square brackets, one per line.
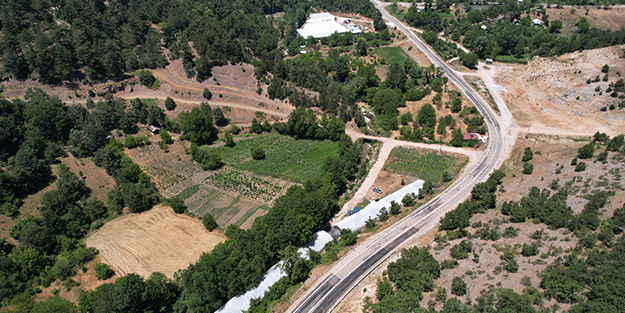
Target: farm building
[537, 22]
[153, 129]
[320, 25]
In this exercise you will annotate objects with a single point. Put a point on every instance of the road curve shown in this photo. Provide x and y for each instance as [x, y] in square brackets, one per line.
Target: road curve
[327, 291]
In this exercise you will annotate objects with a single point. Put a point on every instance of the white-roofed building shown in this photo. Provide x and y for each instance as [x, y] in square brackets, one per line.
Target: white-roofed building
[320, 25]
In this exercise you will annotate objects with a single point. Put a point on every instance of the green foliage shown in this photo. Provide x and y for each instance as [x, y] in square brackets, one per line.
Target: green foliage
[418, 163]
[586, 151]
[461, 250]
[458, 287]
[103, 271]
[207, 94]
[176, 204]
[395, 208]
[209, 222]
[528, 168]
[285, 157]
[139, 141]
[482, 198]
[258, 153]
[529, 250]
[146, 78]
[197, 125]
[528, 154]
[210, 160]
[449, 264]
[170, 104]
[469, 60]
[580, 167]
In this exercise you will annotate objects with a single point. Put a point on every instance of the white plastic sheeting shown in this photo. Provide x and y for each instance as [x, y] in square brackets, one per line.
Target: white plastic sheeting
[241, 302]
[357, 221]
[320, 25]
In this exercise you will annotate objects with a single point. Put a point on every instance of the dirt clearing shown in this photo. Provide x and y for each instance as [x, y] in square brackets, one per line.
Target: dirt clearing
[154, 241]
[555, 93]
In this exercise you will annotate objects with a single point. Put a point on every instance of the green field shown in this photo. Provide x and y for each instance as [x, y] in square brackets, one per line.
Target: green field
[423, 164]
[287, 158]
[391, 54]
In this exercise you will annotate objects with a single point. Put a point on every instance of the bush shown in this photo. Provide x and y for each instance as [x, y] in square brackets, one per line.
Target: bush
[207, 94]
[449, 264]
[528, 168]
[103, 271]
[176, 204]
[528, 155]
[529, 250]
[209, 222]
[580, 167]
[458, 287]
[395, 208]
[170, 104]
[586, 151]
[258, 153]
[461, 250]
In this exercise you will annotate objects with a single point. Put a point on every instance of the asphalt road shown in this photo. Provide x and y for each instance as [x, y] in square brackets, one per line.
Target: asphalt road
[327, 292]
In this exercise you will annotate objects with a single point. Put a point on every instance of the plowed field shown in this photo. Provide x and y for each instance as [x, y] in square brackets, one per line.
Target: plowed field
[154, 241]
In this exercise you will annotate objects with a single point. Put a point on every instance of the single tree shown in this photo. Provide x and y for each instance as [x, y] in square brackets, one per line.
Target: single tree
[207, 94]
[170, 104]
[258, 153]
[209, 222]
[458, 287]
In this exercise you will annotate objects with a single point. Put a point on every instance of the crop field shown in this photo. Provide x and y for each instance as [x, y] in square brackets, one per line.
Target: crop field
[287, 158]
[423, 164]
[391, 54]
[248, 185]
[157, 240]
[166, 168]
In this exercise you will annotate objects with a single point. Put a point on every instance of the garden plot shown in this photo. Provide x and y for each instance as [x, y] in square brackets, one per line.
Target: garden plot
[422, 164]
[259, 188]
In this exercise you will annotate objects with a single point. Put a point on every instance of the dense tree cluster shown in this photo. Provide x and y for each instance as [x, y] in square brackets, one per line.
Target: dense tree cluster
[482, 198]
[56, 40]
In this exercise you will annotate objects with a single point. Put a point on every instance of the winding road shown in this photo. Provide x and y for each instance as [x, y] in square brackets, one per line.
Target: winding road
[327, 291]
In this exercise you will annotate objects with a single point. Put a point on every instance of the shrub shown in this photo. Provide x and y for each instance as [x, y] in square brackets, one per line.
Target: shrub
[574, 162]
[461, 250]
[103, 271]
[528, 155]
[586, 151]
[176, 204]
[448, 264]
[529, 250]
[170, 104]
[207, 94]
[528, 168]
[580, 167]
[458, 287]
[258, 153]
[395, 208]
[209, 222]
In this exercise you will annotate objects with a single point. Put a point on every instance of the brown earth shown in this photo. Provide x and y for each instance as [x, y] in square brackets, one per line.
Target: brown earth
[553, 93]
[154, 241]
[95, 177]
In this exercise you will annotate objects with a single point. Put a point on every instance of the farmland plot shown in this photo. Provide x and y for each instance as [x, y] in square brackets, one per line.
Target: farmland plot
[287, 158]
[423, 164]
[157, 240]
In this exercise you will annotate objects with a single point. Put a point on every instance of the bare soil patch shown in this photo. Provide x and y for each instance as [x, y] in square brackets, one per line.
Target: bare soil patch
[553, 92]
[154, 241]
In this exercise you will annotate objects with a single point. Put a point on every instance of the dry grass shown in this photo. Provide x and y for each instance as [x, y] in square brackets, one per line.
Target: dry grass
[613, 18]
[154, 241]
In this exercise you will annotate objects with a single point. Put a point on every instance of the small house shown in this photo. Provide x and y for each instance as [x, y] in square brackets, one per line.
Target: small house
[489, 61]
[484, 27]
[153, 129]
[537, 22]
[470, 136]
